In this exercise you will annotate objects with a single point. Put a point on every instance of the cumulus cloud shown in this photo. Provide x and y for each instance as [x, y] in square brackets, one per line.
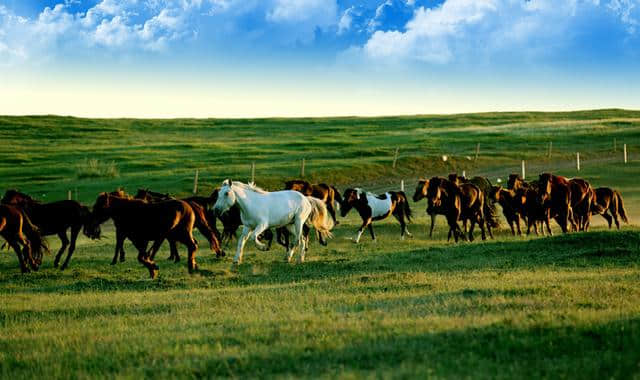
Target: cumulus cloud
[457, 28]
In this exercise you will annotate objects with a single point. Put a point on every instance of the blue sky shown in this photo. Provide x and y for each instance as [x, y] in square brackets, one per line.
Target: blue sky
[221, 58]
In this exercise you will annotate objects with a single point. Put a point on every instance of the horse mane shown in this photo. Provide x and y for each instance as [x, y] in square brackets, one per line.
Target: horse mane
[250, 186]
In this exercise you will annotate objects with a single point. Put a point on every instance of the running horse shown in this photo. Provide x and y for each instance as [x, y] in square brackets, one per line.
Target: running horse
[420, 193]
[609, 202]
[261, 210]
[143, 222]
[55, 218]
[22, 236]
[204, 223]
[554, 193]
[326, 193]
[372, 207]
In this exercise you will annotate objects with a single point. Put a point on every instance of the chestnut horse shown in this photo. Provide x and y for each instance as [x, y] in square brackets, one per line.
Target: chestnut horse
[22, 236]
[483, 183]
[512, 204]
[420, 193]
[204, 224]
[554, 193]
[582, 197]
[326, 193]
[142, 222]
[610, 201]
[54, 218]
[464, 202]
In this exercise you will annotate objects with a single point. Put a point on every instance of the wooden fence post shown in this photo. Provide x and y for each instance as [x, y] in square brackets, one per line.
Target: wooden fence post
[395, 158]
[69, 195]
[302, 168]
[464, 174]
[624, 147]
[402, 185]
[195, 183]
[578, 161]
[523, 171]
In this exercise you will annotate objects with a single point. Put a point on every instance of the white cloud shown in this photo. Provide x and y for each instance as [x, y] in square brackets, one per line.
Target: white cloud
[345, 20]
[627, 11]
[458, 27]
[321, 12]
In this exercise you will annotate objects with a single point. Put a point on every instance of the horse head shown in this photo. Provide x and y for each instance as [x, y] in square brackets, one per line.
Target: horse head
[421, 190]
[226, 198]
[544, 187]
[350, 198]
[434, 192]
[495, 193]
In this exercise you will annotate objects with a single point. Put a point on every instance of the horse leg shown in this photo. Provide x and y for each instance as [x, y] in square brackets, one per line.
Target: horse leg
[547, 221]
[433, 223]
[298, 240]
[119, 248]
[517, 222]
[192, 247]
[143, 258]
[403, 225]
[483, 231]
[65, 243]
[373, 235]
[21, 259]
[237, 259]
[75, 230]
[256, 233]
[472, 226]
[364, 225]
[615, 219]
[332, 212]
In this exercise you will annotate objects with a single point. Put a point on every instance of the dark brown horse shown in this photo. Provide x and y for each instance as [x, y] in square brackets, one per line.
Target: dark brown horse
[582, 198]
[536, 213]
[143, 222]
[610, 205]
[203, 223]
[54, 218]
[462, 203]
[420, 193]
[22, 236]
[483, 183]
[512, 204]
[326, 193]
[373, 207]
[554, 193]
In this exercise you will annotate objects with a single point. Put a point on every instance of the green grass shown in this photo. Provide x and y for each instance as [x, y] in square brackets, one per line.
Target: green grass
[565, 306]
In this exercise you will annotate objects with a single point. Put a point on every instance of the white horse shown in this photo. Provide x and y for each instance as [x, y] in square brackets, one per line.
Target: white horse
[260, 210]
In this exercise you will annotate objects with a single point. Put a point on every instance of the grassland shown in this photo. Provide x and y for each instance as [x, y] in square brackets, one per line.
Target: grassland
[565, 306]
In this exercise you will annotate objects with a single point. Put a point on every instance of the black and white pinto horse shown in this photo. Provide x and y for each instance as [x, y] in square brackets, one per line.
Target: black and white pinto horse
[372, 207]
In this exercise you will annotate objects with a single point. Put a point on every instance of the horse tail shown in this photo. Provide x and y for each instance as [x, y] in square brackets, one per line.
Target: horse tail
[404, 205]
[38, 245]
[202, 224]
[320, 218]
[621, 210]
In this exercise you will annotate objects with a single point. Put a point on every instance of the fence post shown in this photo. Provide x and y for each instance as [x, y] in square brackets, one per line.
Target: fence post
[624, 147]
[464, 174]
[523, 171]
[253, 172]
[578, 161]
[302, 168]
[477, 151]
[69, 195]
[395, 158]
[402, 185]
[195, 183]
[550, 149]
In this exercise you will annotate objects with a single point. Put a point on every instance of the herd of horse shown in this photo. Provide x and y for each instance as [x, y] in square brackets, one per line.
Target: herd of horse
[151, 217]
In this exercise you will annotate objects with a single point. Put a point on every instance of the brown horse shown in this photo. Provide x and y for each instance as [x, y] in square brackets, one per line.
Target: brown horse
[373, 207]
[22, 236]
[464, 202]
[512, 203]
[326, 193]
[54, 218]
[554, 193]
[203, 223]
[420, 193]
[483, 183]
[515, 182]
[142, 222]
[582, 202]
[610, 201]
[535, 212]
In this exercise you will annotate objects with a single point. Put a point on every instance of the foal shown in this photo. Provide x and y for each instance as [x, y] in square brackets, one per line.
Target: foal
[373, 207]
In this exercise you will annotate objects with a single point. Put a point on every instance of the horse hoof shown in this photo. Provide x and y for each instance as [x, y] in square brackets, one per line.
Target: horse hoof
[113, 263]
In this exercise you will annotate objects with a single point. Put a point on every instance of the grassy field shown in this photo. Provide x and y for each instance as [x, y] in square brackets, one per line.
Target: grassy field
[565, 306]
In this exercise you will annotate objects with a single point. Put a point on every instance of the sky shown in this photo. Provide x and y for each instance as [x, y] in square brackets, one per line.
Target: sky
[264, 58]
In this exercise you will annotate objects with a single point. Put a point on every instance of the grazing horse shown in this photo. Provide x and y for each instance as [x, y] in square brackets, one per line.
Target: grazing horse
[142, 222]
[554, 193]
[373, 207]
[22, 236]
[326, 193]
[609, 200]
[261, 210]
[490, 211]
[512, 204]
[205, 225]
[54, 218]
[464, 202]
